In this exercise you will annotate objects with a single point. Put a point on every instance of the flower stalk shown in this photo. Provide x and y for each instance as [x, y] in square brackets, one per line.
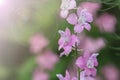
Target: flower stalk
[68, 41]
[77, 55]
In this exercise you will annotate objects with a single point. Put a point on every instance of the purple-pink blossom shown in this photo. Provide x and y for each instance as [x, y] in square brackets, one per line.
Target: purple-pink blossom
[40, 75]
[37, 43]
[93, 45]
[88, 62]
[106, 22]
[84, 76]
[110, 69]
[47, 60]
[92, 7]
[67, 76]
[81, 20]
[67, 5]
[67, 41]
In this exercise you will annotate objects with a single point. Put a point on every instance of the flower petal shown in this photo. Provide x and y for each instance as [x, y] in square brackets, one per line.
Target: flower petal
[86, 54]
[67, 50]
[79, 11]
[89, 78]
[94, 57]
[67, 32]
[74, 39]
[82, 75]
[74, 78]
[64, 13]
[72, 19]
[88, 16]
[91, 72]
[60, 77]
[67, 76]
[72, 4]
[61, 43]
[87, 26]
[78, 28]
[80, 62]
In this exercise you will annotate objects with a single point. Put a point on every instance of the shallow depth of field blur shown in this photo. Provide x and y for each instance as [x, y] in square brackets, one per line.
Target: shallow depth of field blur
[21, 20]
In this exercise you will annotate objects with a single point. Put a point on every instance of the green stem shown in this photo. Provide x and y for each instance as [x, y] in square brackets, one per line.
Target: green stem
[76, 58]
[78, 73]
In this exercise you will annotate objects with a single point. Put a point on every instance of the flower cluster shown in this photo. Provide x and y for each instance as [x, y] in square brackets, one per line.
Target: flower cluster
[87, 63]
[38, 44]
[81, 20]
[67, 41]
[67, 76]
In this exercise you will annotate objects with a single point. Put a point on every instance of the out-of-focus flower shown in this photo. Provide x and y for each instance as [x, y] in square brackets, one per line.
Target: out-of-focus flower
[67, 41]
[98, 78]
[67, 76]
[84, 76]
[92, 7]
[40, 75]
[93, 45]
[67, 5]
[88, 63]
[47, 60]
[106, 22]
[81, 20]
[110, 72]
[37, 43]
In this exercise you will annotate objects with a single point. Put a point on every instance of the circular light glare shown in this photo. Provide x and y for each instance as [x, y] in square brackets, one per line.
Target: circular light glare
[2, 2]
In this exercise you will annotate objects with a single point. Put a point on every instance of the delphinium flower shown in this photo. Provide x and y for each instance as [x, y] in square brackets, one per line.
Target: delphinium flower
[38, 43]
[49, 64]
[92, 7]
[40, 75]
[110, 72]
[67, 5]
[106, 22]
[81, 20]
[92, 45]
[45, 58]
[87, 64]
[67, 76]
[85, 76]
[67, 41]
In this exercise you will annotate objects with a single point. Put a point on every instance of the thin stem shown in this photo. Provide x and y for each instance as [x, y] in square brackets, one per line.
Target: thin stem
[78, 73]
[76, 50]
[76, 58]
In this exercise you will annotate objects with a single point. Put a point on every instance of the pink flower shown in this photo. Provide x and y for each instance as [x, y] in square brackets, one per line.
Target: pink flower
[88, 63]
[106, 22]
[92, 7]
[110, 72]
[81, 20]
[93, 45]
[67, 77]
[47, 60]
[40, 75]
[67, 41]
[84, 76]
[66, 6]
[37, 43]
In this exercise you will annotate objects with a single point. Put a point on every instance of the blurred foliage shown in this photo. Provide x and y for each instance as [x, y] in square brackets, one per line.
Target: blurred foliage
[36, 17]
[25, 71]
[4, 72]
